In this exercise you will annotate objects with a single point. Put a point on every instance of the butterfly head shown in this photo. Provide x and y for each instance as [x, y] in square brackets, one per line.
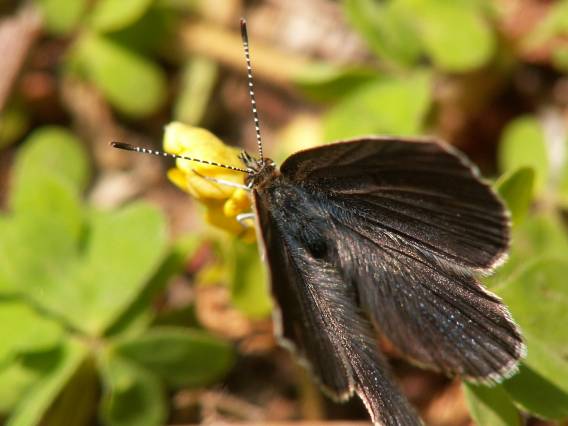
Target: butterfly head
[258, 169]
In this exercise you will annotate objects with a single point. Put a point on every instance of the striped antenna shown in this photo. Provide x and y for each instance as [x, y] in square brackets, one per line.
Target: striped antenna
[129, 147]
[244, 36]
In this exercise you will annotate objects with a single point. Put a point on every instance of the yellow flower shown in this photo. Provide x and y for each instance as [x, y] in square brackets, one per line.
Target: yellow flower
[223, 203]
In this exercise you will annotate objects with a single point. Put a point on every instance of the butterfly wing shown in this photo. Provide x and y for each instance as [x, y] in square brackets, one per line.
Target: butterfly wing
[423, 191]
[316, 311]
[410, 223]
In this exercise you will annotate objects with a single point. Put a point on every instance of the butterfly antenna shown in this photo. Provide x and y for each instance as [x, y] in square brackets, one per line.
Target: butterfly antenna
[142, 150]
[244, 36]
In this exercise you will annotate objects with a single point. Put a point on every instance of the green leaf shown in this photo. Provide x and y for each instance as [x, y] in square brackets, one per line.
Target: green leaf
[61, 16]
[132, 83]
[47, 215]
[51, 150]
[387, 30]
[181, 356]
[453, 32]
[40, 241]
[132, 396]
[29, 331]
[324, 82]
[491, 405]
[560, 58]
[538, 300]
[537, 237]
[389, 105]
[112, 15]
[516, 188]
[15, 381]
[140, 314]
[78, 401]
[523, 145]
[540, 387]
[248, 281]
[562, 191]
[152, 33]
[183, 6]
[198, 82]
[38, 399]
[122, 252]
[542, 236]
[14, 123]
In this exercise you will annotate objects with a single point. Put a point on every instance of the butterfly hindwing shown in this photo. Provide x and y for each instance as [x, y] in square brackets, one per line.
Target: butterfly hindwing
[434, 314]
[318, 311]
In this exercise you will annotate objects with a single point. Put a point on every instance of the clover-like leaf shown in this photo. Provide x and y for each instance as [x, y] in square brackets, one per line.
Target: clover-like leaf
[62, 16]
[538, 236]
[132, 83]
[516, 188]
[36, 401]
[455, 33]
[538, 299]
[133, 396]
[540, 386]
[50, 150]
[523, 145]
[386, 28]
[29, 330]
[389, 105]
[14, 123]
[182, 357]
[152, 32]
[324, 82]
[491, 405]
[112, 15]
[562, 191]
[139, 315]
[15, 381]
[40, 236]
[40, 241]
[249, 288]
[122, 251]
[79, 398]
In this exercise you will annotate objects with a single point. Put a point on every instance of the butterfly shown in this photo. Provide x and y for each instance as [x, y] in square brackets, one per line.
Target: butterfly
[381, 235]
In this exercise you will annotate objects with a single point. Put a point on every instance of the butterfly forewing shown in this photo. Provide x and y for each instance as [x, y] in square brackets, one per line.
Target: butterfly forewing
[421, 191]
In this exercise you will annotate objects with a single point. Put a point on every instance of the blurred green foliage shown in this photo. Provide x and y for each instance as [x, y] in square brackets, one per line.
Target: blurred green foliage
[112, 46]
[533, 285]
[76, 283]
[73, 283]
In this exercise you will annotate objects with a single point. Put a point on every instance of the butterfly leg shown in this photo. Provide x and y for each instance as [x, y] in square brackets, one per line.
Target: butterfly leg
[243, 217]
[222, 181]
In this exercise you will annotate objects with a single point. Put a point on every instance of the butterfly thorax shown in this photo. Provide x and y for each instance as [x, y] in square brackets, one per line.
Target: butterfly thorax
[260, 170]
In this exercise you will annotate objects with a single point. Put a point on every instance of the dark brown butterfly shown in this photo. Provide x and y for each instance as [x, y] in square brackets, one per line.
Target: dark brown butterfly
[382, 235]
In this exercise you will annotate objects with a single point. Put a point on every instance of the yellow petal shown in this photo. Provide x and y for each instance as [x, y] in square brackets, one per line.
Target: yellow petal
[215, 216]
[199, 143]
[223, 203]
[238, 203]
[177, 177]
